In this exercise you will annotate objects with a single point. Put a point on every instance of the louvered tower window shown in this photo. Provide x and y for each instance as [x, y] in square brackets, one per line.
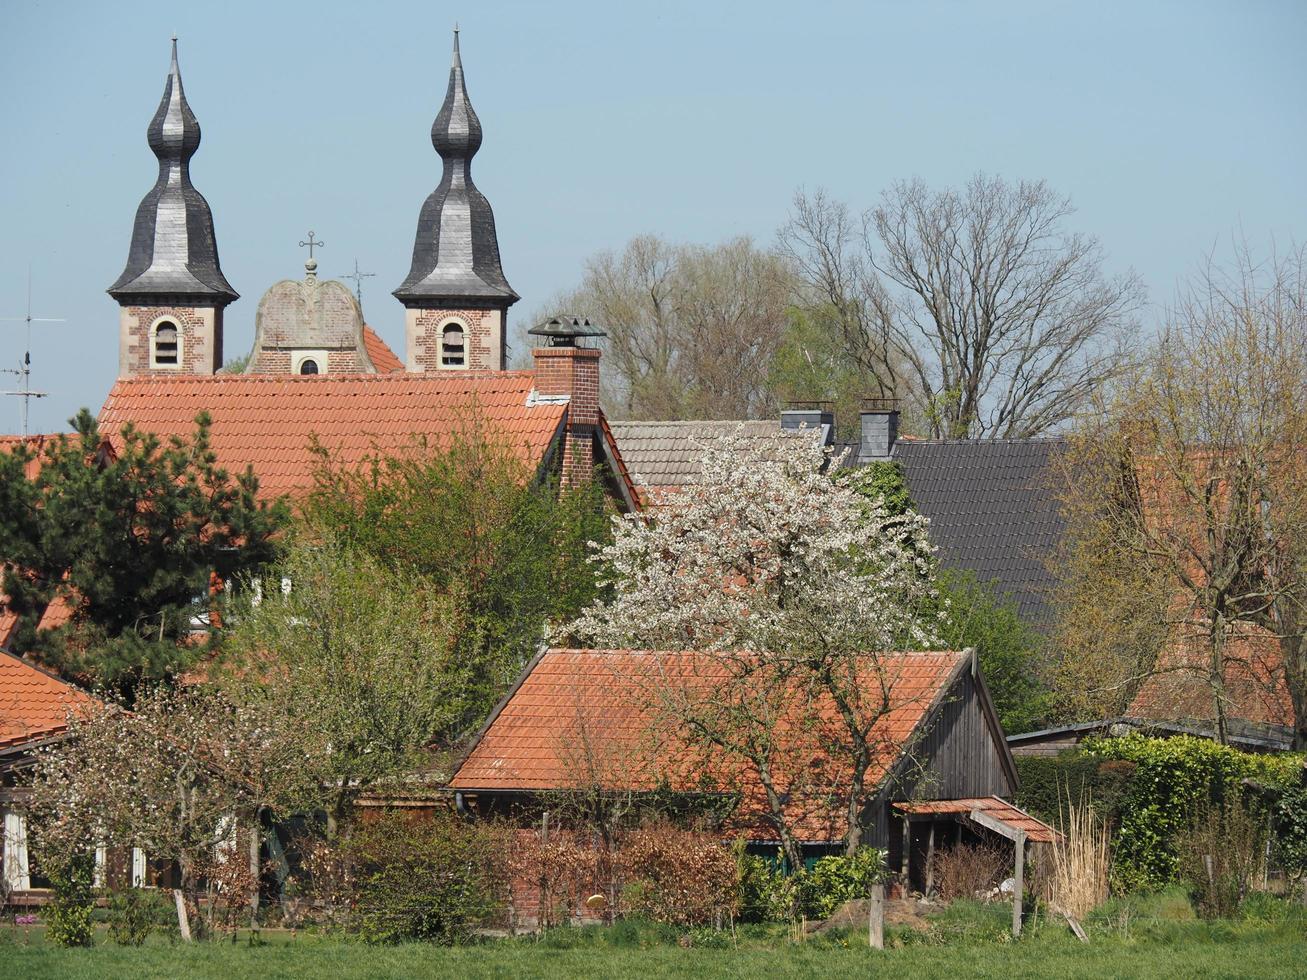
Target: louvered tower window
[453, 346]
[167, 344]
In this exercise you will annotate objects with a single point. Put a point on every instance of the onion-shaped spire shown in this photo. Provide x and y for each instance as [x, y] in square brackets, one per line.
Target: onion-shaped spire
[456, 251]
[174, 252]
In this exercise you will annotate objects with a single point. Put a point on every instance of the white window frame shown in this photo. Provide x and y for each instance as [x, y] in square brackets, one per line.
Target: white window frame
[445, 324]
[138, 868]
[171, 321]
[17, 871]
[319, 357]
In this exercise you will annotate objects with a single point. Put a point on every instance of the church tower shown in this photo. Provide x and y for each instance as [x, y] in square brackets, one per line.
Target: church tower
[172, 293]
[456, 298]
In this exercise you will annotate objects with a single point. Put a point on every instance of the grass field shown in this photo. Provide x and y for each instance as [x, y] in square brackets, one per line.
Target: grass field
[1126, 942]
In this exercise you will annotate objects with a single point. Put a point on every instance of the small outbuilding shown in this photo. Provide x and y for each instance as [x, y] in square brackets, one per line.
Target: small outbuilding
[583, 719]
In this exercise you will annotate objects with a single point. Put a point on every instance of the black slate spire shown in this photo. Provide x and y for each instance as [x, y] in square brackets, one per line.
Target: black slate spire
[456, 252]
[174, 252]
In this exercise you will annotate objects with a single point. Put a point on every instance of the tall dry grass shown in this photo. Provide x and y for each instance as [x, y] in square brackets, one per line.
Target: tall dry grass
[1079, 861]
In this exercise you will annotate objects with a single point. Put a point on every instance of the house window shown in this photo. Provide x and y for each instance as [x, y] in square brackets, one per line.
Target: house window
[453, 345]
[308, 366]
[165, 345]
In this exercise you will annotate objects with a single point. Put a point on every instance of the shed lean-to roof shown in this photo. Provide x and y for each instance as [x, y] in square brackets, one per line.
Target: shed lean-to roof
[665, 456]
[1013, 817]
[269, 421]
[33, 704]
[993, 511]
[583, 715]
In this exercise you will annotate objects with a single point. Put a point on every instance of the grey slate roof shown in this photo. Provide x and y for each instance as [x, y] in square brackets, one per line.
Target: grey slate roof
[174, 251]
[456, 250]
[664, 455]
[992, 510]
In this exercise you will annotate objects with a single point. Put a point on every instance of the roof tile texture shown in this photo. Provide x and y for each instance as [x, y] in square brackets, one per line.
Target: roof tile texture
[33, 704]
[268, 422]
[583, 716]
[993, 511]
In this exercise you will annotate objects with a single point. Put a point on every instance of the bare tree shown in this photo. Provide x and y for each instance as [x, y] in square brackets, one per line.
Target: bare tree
[976, 306]
[692, 330]
[1195, 478]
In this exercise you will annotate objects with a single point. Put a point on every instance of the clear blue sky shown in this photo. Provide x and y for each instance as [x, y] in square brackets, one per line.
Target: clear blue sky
[1171, 125]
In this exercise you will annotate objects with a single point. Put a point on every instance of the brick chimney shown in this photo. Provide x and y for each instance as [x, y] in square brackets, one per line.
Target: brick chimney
[564, 369]
[880, 429]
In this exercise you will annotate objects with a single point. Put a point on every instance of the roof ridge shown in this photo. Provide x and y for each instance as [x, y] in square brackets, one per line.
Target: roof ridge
[393, 377]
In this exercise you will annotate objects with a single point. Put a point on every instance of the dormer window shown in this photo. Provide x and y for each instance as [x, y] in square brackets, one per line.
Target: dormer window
[165, 345]
[453, 345]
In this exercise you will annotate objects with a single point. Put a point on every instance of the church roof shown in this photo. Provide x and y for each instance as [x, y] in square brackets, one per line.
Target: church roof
[269, 422]
[382, 357]
[174, 250]
[456, 250]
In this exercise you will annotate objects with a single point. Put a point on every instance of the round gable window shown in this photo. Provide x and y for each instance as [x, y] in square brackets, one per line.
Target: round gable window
[308, 366]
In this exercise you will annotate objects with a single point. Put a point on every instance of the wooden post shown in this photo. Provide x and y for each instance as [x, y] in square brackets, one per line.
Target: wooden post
[907, 855]
[1018, 883]
[876, 917]
[930, 858]
[183, 923]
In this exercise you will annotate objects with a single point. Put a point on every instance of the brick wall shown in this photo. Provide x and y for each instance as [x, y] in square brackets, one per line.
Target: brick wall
[573, 371]
[484, 338]
[199, 332]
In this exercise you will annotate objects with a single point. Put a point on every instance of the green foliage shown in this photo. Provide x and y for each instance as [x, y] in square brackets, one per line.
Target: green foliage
[812, 363]
[374, 679]
[128, 539]
[134, 913]
[474, 521]
[836, 879]
[880, 481]
[1173, 779]
[69, 912]
[433, 879]
[767, 894]
[1008, 648]
[1049, 782]
[1290, 823]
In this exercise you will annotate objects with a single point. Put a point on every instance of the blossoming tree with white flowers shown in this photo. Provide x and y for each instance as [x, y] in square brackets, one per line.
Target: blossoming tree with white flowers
[796, 584]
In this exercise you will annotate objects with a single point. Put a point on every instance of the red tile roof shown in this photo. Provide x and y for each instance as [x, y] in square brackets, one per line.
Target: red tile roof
[268, 421]
[592, 715]
[1255, 690]
[1000, 810]
[383, 358]
[34, 704]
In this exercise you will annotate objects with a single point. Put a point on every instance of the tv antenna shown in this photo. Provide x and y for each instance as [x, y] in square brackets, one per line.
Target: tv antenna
[24, 369]
[358, 278]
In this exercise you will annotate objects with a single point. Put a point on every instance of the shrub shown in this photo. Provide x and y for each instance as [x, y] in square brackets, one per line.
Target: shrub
[836, 879]
[969, 870]
[677, 876]
[134, 913]
[1048, 783]
[432, 879]
[1220, 855]
[1289, 819]
[1172, 779]
[69, 913]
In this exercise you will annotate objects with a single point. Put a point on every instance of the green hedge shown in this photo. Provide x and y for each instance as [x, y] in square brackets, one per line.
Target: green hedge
[1149, 789]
